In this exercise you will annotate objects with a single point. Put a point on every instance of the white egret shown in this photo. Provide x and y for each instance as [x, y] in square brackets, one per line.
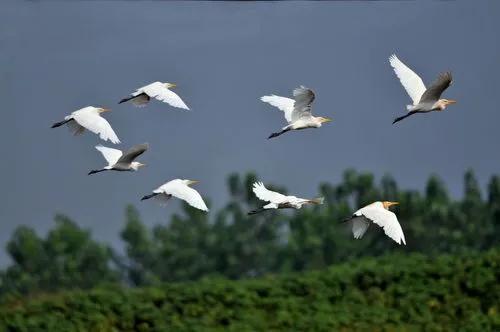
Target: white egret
[119, 161]
[297, 111]
[180, 189]
[89, 118]
[280, 201]
[379, 214]
[157, 90]
[424, 99]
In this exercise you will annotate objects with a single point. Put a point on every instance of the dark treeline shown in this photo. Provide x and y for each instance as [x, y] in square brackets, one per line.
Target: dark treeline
[228, 243]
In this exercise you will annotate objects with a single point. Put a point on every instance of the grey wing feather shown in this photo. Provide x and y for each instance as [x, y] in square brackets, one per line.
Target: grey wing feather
[304, 97]
[75, 128]
[133, 153]
[359, 226]
[433, 93]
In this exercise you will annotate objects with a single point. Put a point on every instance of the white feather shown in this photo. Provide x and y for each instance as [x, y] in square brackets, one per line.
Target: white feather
[386, 219]
[89, 118]
[412, 83]
[111, 155]
[282, 103]
[159, 91]
[178, 188]
[267, 195]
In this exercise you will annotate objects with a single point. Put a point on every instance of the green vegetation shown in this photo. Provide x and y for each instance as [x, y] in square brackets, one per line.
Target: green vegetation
[68, 281]
[398, 292]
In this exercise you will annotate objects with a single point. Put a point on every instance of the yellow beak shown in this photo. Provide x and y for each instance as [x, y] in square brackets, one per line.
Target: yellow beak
[451, 101]
[326, 120]
[193, 181]
[172, 85]
[392, 203]
[102, 110]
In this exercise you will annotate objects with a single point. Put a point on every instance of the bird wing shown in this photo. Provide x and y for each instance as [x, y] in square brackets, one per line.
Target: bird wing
[159, 91]
[282, 103]
[182, 191]
[111, 155]
[433, 93]
[133, 153]
[412, 83]
[385, 219]
[304, 97]
[96, 124]
[265, 194]
[74, 127]
[359, 226]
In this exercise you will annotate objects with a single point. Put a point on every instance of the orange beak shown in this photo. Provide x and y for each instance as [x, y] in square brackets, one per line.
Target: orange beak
[389, 204]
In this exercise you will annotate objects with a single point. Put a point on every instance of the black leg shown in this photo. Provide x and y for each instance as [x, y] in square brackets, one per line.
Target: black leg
[278, 133]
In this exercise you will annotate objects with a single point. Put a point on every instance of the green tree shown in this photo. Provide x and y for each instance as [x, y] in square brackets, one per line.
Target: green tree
[66, 258]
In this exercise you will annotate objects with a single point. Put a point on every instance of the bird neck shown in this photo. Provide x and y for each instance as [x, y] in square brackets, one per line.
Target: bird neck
[440, 105]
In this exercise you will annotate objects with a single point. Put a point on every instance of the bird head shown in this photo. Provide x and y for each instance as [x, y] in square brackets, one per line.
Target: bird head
[387, 204]
[135, 165]
[170, 85]
[102, 110]
[445, 102]
[324, 120]
[190, 182]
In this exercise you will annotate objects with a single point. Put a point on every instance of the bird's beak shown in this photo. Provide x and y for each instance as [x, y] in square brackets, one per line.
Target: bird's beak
[102, 110]
[451, 101]
[392, 203]
[141, 164]
[172, 85]
[326, 120]
[190, 182]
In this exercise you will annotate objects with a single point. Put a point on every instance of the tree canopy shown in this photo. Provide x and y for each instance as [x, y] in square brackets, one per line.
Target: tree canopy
[228, 243]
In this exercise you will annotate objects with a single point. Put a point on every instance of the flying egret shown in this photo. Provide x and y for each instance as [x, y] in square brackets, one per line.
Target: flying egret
[180, 189]
[424, 100]
[119, 161]
[157, 90]
[379, 214]
[279, 201]
[89, 118]
[298, 111]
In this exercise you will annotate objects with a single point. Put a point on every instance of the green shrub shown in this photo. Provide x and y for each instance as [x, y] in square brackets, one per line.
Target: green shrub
[392, 293]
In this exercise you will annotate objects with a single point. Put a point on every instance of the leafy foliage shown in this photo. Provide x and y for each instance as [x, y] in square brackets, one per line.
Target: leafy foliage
[67, 258]
[231, 244]
[397, 292]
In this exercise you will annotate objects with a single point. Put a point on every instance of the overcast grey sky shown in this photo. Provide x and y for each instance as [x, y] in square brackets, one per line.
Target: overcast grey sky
[56, 57]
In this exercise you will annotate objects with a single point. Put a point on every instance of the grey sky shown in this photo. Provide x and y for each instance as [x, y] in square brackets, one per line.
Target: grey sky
[56, 57]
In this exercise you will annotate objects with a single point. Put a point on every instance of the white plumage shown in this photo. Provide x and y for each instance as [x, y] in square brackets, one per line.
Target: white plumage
[111, 155]
[379, 214]
[412, 83]
[424, 99]
[89, 118]
[180, 189]
[120, 161]
[297, 111]
[159, 91]
[280, 201]
[282, 103]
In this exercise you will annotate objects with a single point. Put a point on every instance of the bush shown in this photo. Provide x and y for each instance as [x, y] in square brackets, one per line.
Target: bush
[392, 293]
